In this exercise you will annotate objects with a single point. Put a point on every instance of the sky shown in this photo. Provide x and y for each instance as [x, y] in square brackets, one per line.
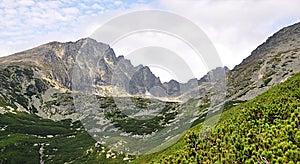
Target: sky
[235, 27]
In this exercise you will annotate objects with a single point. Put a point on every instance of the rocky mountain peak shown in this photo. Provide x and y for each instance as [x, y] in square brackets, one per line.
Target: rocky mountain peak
[85, 58]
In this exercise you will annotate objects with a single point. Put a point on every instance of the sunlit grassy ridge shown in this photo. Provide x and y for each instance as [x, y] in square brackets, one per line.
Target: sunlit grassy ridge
[263, 130]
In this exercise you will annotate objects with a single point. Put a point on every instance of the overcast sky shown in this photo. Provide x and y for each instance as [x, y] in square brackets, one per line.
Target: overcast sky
[235, 27]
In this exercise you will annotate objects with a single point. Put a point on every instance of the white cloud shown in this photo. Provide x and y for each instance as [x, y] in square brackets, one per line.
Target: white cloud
[26, 2]
[35, 22]
[118, 3]
[236, 27]
[70, 11]
[97, 6]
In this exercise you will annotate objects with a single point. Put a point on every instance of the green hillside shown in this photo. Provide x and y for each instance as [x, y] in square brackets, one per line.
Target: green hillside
[263, 130]
[22, 136]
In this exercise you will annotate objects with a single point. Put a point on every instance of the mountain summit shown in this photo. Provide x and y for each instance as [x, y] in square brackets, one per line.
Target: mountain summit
[57, 61]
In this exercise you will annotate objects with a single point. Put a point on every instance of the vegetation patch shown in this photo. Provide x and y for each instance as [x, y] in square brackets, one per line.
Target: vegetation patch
[263, 130]
[267, 81]
[22, 136]
[143, 126]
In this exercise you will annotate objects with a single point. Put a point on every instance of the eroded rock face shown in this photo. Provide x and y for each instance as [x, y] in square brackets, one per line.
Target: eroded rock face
[173, 87]
[87, 60]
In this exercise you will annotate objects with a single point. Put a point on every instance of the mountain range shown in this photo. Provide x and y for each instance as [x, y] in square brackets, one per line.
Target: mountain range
[58, 62]
[40, 81]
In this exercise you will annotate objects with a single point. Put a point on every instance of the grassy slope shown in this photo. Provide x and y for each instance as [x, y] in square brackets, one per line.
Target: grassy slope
[265, 129]
[22, 134]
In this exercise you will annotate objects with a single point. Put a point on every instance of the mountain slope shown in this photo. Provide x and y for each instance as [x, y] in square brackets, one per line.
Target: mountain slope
[26, 138]
[266, 128]
[270, 63]
[263, 130]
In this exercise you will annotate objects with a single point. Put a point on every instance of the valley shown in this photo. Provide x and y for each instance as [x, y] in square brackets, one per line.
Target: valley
[77, 102]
